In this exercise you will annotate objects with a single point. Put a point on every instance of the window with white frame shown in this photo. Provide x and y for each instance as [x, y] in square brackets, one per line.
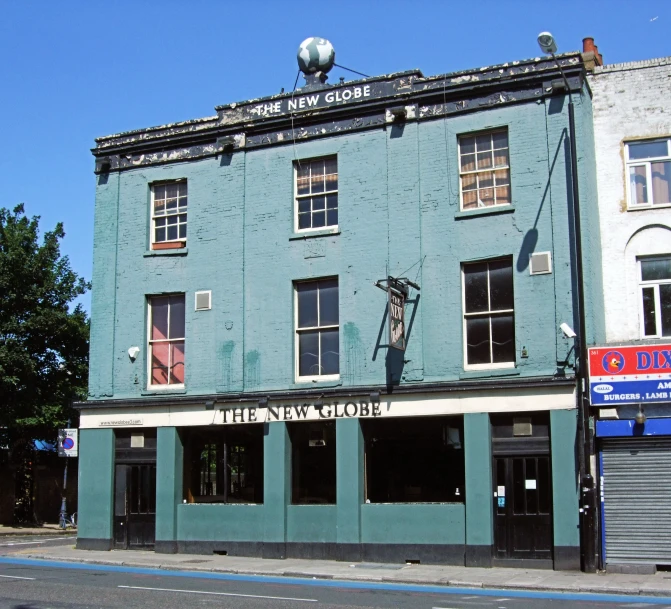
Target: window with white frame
[317, 319]
[656, 297]
[484, 170]
[166, 340]
[649, 171]
[489, 318]
[168, 215]
[316, 193]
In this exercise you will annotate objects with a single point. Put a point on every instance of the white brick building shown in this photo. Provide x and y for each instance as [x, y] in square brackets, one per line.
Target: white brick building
[632, 131]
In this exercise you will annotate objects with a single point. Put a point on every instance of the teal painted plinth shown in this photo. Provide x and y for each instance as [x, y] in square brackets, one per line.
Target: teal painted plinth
[276, 483]
[311, 523]
[479, 503]
[440, 523]
[349, 479]
[565, 489]
[169, 477]
[96, 483]
[216, 521]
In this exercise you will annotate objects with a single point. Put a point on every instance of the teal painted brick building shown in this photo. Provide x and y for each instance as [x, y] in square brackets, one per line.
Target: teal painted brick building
[244, 394]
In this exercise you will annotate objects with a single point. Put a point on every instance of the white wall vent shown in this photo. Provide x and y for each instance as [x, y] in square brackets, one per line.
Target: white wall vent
[204, 300]
[540, 263]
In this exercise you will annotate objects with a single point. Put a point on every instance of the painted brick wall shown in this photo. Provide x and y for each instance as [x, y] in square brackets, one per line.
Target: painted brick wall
[631, 101]
[399, 214]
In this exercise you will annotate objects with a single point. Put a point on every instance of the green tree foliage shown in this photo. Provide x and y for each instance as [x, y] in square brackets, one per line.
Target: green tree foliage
[43, 338]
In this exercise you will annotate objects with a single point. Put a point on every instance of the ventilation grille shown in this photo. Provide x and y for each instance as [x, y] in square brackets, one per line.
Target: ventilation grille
[540, 263]
[204, 300]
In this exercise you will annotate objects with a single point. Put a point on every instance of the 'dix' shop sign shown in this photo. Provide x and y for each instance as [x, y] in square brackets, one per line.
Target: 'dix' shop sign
[631, 374]
[301, 412]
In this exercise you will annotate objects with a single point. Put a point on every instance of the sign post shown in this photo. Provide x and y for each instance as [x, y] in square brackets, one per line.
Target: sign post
[68, 446]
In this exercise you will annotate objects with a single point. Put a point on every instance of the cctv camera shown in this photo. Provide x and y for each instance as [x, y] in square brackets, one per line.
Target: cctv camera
[567, 330]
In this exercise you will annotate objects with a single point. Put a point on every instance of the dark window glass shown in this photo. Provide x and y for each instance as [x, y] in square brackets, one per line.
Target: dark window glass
[656, 269]
[313, 462]
[531, 486]
[307, 304]
[475, 280]
[518, 486]
[414, 460]
[543, 485]
[330, 354]
[647, 150]
[503, 338]
[224, 465]
[308, 349]
[478, 340]
[665, 300]
[649, 317]
[328, 302]
[134, 501]
[500, 285]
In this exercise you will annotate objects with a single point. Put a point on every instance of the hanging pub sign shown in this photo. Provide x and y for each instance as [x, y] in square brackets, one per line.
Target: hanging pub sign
[67, 443]
[397, 295]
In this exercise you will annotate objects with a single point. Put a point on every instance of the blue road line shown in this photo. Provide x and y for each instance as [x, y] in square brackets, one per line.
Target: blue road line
[348, 585]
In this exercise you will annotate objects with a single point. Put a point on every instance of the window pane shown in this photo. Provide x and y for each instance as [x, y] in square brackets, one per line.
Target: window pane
[159, 191]
[182, 231]
[502, 177]
[501, 285]
[330, 352]
[332, 201]
[304, 220]
[653, 270]
[332, 217]
[483, 142]
[159, 318]
[469, 182]
[475, 287]
[661, 183]
[159, 235]
[303, 186]
[319, 219]
[177, 372]
[171, 204]
[484, 160]
[308, 354]
[638, 185]
[467, 162]
[470, 199]
[486, 197]
[501, 158]
[503, 338]
[467, 145]
[331, 166]
[307, 305]
[176, 317]
[649, 317]
[486, 179]
[500, 139]
[303, 205]
[159, 207]
[171, 191]
[503, 195]
[317, 183]
[172, 233]
[319, 203]
[665, 303]
[328, 302]
[477, 341]
[159, 363]
[646, 150]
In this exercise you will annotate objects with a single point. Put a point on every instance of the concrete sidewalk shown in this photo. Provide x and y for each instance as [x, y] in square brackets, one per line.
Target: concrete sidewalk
[658, 584]
[45, 529]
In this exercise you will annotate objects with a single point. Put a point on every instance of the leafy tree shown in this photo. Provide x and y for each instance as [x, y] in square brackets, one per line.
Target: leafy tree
[43, 339]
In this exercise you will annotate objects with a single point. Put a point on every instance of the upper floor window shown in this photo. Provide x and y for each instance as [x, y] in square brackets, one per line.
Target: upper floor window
[656, 297]
[166, 340]
[489, 318]
[317, 340]
[484, 170]
[649, 169]
[316, 193]
[168, 215]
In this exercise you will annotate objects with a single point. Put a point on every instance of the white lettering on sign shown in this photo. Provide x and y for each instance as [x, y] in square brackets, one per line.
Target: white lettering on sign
[310, 101]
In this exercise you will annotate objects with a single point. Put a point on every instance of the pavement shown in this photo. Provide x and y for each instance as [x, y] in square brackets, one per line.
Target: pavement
[44, 529]
[657, 584]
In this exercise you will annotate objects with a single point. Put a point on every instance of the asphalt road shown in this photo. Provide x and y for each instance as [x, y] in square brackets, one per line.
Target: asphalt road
[46, 586]
[16, 543]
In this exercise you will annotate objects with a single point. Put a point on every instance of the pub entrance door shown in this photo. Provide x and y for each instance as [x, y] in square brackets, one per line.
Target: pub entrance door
[135, 489]
[522, 480]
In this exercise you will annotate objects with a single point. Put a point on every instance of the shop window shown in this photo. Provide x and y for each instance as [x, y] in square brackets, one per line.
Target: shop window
[414, 460]
[649, 171]
[224, 465]
[489, 319]
[655, 282]
[316, 194]
[313, 462]
[317, 333]
[484, 170]
[166, 340]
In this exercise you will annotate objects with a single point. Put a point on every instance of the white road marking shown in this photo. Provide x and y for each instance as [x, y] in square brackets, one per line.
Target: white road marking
[277, 598]
[16, 577]
[26, 543]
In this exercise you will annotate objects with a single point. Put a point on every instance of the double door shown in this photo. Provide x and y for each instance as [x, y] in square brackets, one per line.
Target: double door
[523, 507]
[135, 505]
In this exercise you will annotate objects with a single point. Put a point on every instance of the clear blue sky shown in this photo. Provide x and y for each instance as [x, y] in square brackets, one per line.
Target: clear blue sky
[72, 71]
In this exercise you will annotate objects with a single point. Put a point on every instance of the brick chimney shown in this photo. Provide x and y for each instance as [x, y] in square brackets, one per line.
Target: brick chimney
[590, 54]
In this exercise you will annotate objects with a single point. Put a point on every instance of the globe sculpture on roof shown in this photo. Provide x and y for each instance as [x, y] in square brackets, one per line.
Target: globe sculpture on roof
[315, 55]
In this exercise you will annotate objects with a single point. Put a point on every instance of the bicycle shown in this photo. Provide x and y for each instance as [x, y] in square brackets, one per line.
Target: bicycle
[67, 522]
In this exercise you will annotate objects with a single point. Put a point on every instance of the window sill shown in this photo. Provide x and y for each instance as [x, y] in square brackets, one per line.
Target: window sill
[308, 383]
[648, 207]
[167, 391]
[317, 233]
[489, 372]
[487, 211]
[173, 252]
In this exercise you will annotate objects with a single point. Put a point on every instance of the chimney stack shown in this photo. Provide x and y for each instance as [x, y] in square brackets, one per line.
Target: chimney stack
[590, 54]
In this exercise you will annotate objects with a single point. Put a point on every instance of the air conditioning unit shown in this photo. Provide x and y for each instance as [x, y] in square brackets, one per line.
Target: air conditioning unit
[540, 263]
[204, 300]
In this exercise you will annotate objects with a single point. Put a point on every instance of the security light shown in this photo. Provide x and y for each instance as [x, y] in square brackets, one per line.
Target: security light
[567, 330]
[547, 43]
